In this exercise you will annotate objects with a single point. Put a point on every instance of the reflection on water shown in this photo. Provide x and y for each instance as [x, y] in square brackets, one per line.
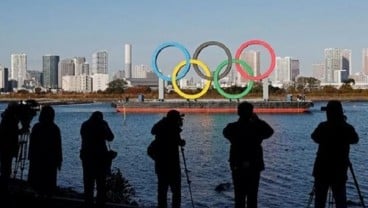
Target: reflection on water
[289, 154]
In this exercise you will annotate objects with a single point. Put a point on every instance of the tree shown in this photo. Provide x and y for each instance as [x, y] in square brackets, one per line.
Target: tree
[116, 86]
[349, 81]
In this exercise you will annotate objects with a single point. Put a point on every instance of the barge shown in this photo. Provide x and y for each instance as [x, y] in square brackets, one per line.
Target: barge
[211, 106]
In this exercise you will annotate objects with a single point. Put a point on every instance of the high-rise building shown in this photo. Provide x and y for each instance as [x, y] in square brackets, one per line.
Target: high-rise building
[128, 61]
[35, 77]
[100, 62]
[365, 60]
[295, 69]
[4, 73]
[50, 69]
[18, 70]
[286, 71]
[252, 58]
[318, 71]
[337, 65]
[66, 68]
[78, 65]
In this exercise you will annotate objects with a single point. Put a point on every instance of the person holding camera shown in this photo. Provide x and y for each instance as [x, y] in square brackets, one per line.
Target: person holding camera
[334, 137]
[246, 154]
[167, 161]
[95, 158]
[9, 132]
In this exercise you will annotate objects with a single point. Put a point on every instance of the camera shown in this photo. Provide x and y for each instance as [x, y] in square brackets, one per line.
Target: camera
[24, 111]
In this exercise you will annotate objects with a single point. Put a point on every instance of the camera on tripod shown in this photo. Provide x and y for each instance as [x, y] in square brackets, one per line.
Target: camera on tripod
[26, 110]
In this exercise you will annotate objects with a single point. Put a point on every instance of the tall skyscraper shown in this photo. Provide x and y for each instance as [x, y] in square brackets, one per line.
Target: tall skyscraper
[50, 69]
[128, 61]
[365, 60]
[4, 73]
[18, 70]
[337, 65]
[100, 62]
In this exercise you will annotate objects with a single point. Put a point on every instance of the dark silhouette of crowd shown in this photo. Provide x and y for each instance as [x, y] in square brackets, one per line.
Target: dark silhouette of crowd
[245, 136]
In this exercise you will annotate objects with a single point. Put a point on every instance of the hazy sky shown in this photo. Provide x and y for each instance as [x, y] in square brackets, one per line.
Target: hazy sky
[69, 28]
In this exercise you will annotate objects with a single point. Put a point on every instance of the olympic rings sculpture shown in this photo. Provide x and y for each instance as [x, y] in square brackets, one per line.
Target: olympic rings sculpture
[182, 68]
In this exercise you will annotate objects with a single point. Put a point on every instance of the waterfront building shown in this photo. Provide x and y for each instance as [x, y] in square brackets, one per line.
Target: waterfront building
[100, 62]
[18, 68]
[4, 73]
[77, 83]
[318, 71]
[85, 69]
[286, 71]
[100, 82]
[252, 58]
[337, 65]
[50, 69]
[128, 61]
[365, 60]
[140, 71]
[34, 78]
[78, 65]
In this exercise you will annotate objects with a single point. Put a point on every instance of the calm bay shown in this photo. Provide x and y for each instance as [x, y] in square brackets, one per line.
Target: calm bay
[289, 154]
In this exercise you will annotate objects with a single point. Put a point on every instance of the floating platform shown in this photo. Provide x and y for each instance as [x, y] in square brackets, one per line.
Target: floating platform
[211, 106]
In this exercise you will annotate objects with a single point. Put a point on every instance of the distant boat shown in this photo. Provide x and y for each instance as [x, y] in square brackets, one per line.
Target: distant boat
[210, 106]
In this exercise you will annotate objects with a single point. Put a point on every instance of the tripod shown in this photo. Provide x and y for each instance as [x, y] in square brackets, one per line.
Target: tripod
[330, 197]
[20, 161]
[186, 173]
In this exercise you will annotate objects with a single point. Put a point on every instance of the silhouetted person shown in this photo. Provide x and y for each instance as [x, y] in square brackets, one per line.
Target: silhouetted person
[95, 132]
[45, 153]
[334, 137]
[9, 132]
[167, 161]
[246, 154]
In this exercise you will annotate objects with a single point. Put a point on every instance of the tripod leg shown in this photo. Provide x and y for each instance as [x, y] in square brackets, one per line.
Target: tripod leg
[186, 173]
[356, 185]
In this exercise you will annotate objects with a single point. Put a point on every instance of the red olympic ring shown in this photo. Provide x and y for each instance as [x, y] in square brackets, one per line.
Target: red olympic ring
[242, 72]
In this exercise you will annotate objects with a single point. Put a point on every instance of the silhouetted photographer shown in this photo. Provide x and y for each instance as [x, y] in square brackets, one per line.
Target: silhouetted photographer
[166, 156]
[334, 137]
[246, 154]
[16, 113]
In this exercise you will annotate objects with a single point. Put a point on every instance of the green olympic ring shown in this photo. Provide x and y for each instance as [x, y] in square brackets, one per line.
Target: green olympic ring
[217, 84]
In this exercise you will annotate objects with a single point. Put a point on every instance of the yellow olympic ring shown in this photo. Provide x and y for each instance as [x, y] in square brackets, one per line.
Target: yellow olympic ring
[176, 71]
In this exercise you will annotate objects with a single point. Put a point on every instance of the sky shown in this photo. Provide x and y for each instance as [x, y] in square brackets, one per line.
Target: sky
[70, 28]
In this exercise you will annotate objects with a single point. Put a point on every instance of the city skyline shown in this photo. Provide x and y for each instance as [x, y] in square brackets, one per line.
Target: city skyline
[301, 30]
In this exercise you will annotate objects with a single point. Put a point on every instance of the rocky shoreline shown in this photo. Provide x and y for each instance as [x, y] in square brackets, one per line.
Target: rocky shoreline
[21, 195]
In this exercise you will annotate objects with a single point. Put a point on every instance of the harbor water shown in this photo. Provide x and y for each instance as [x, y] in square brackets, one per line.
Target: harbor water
[289, 154]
